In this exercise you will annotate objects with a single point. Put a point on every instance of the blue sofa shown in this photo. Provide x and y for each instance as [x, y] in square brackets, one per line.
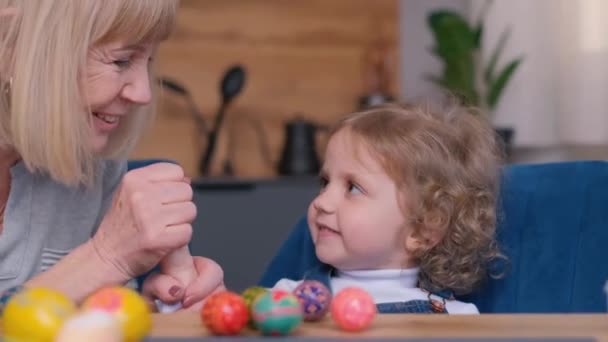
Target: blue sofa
[553, 227]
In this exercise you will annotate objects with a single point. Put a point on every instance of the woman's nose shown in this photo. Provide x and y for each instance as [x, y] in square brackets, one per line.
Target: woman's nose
[137, 90]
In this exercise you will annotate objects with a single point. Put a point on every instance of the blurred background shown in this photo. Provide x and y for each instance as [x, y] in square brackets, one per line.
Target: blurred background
[250, 86]
[314, 60]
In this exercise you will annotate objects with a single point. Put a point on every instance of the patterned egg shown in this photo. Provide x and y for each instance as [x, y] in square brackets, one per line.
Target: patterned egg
[225, 313]
[91, 326]
[277, 313]
[250, 295]
[315, 299]
[353, 309]
[36, 314]
[127, 306]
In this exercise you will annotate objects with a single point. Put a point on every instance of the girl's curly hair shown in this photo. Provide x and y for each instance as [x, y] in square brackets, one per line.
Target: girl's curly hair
[447, 161]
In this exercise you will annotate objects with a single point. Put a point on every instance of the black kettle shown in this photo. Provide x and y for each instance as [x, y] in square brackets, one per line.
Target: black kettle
[299, 154]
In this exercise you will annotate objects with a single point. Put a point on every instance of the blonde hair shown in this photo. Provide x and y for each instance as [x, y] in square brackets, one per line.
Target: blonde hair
[43, 51]
[447, 162]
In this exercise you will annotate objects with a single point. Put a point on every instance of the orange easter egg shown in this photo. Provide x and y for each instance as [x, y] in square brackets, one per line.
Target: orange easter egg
[129, 308]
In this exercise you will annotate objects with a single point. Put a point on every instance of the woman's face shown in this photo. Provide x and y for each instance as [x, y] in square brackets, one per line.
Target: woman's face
[115, 82]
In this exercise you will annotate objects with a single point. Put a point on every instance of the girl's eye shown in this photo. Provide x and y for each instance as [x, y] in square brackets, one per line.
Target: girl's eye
[323, 182]
[354, 188]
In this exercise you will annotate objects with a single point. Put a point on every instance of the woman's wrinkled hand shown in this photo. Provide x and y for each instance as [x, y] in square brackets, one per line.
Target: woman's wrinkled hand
[150, 216]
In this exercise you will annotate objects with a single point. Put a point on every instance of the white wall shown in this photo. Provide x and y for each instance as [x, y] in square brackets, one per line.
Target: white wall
[559, 95]
[529, 103]
[583, 70]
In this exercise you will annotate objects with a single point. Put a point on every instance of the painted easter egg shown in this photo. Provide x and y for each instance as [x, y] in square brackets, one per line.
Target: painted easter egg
[277, 313]
[36, 314]
[315, 299]
[225, 313]
[250, 295]
[127, 306]
[353, 309]
[91, 326]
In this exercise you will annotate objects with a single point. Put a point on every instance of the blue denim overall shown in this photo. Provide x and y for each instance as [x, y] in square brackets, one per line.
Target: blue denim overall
[434, 304]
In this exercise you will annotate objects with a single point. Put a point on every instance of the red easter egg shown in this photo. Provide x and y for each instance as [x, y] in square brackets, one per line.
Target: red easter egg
[353, 309]
[225, 313]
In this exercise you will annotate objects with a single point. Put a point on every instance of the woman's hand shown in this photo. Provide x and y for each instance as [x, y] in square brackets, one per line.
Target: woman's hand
[210, 279]
[151, 215]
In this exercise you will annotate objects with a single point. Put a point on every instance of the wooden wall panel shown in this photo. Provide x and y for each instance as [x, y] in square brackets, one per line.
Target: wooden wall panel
[301, 56]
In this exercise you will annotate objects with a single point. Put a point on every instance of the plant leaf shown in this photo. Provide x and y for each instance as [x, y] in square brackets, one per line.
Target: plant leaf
[498, 85]
[490, 69]
[459, 77]
[478, 33]
[455, 46]
[453, 34]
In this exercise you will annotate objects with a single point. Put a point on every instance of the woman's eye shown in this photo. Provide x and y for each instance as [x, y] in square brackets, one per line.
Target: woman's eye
[122, 63]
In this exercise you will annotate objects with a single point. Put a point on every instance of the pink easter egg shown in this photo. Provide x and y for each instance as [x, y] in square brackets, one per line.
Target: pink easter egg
[353, 309]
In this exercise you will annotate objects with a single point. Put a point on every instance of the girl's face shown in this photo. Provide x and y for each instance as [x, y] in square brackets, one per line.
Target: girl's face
[115, 82]
[356, 221]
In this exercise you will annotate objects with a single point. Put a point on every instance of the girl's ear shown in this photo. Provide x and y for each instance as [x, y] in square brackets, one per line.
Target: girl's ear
[426, 232]
[422, 240]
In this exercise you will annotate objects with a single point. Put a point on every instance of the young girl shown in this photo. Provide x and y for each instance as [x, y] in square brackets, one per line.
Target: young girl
[406, 209]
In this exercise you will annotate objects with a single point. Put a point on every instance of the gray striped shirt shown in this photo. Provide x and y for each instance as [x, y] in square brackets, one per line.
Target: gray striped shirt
[44, 220]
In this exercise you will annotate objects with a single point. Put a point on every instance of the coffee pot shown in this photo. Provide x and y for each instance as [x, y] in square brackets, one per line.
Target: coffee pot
[299, 152]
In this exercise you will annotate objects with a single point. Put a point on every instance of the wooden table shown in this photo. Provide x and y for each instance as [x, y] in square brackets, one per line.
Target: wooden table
[496, 326]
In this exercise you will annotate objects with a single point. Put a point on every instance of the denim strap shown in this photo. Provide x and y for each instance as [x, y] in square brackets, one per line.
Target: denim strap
[411, 306]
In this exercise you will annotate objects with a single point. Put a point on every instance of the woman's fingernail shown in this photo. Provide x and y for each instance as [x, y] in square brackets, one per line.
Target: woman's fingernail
[175, 290]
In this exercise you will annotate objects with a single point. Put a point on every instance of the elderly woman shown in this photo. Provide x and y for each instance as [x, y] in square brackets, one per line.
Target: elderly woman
[75, 92]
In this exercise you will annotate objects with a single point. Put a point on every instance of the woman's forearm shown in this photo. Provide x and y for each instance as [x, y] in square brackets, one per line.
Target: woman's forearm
[79, 274]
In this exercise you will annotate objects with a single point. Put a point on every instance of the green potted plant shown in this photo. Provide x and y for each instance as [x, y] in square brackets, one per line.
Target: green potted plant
[458, 44]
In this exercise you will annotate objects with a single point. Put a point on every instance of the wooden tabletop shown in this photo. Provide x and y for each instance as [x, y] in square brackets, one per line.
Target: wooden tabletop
[509, 326]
